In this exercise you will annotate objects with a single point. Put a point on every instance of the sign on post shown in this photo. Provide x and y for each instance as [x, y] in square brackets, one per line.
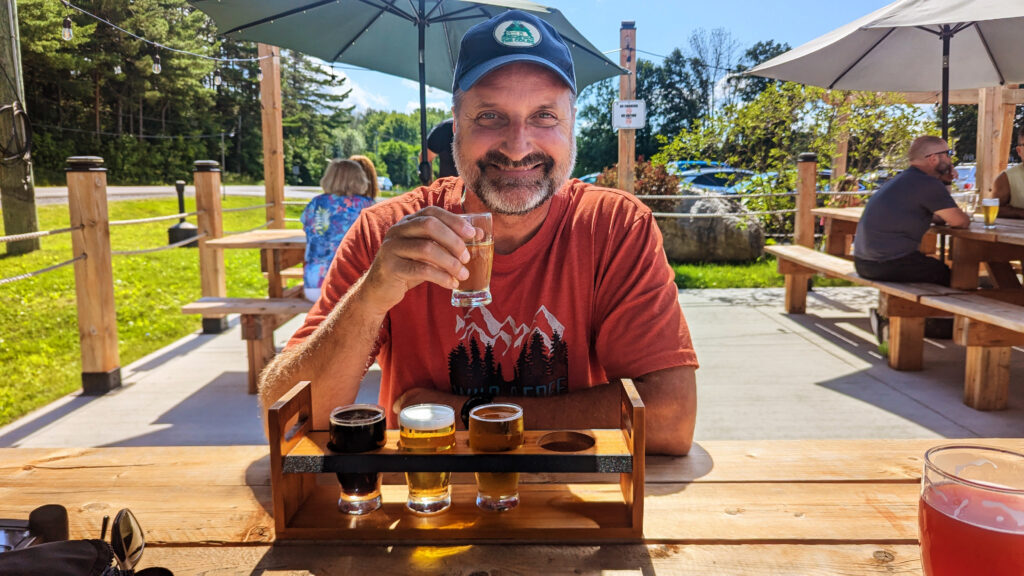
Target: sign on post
[629, 114]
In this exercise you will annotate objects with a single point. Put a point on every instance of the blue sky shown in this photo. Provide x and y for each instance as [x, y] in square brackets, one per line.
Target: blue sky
[662, 25]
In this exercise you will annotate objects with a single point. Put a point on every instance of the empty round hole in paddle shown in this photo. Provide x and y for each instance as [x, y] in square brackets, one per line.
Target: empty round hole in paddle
[566, 441]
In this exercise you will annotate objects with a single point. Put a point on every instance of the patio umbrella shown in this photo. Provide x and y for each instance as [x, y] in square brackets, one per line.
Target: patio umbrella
[414, 39]
[913, 46]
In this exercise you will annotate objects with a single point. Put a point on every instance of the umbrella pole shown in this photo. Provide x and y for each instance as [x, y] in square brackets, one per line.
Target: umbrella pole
[425, 171]
[946, 35]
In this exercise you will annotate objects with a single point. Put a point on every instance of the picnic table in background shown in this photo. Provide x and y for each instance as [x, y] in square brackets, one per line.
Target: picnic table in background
[730, 507]
[279, 250]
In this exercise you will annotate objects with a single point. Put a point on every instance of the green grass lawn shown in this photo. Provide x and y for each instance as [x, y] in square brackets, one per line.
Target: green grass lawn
[39, 348]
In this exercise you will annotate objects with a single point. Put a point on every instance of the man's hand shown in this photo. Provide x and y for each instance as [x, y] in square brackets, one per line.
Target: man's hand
[428, 246]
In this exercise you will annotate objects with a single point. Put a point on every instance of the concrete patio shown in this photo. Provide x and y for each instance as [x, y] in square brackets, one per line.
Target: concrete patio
[764, 375]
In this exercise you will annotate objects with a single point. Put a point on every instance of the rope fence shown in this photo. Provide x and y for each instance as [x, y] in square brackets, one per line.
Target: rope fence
[158, 248]
[153, 219]
[244, 208]
[294, 203]
[720, 214]
[293, 220]
[31, 235]
[35, 273]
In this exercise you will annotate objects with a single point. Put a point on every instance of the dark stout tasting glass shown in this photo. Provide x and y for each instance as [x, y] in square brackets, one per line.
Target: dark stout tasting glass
[357, 428]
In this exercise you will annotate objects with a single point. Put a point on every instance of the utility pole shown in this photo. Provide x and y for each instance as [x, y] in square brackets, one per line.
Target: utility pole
[627, 91]
[17, 194]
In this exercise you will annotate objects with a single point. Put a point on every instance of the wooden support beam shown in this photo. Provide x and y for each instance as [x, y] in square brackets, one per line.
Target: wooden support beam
[893, 306]
[627, 91]
[962, 97]
[906, 343]
[273, 133]
[796, 293]
[212, 273]
[971, 332]
[987, 377]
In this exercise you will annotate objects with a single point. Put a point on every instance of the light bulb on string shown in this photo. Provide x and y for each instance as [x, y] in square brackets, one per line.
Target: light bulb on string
[117, 69]
[259, 74]
[217, 80]
[65, 30]
[156, 64]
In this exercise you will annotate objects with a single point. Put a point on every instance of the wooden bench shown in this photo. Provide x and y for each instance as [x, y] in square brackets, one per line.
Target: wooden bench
[986, 323]
[259, 318]
[294, 272]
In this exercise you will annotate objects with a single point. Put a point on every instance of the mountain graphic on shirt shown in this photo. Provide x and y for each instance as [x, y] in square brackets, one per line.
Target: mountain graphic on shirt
[488, 350]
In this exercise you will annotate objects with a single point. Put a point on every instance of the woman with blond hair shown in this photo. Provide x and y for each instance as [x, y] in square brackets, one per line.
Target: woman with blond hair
[328, 217]
[372, 190]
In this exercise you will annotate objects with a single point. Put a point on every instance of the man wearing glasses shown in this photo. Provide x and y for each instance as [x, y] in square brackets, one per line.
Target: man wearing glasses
[896, 218]
[1009, 186]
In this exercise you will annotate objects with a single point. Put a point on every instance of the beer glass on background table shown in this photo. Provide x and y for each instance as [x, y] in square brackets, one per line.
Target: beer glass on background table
[971, 512]
[496, 428]
[357, 428]
[427, 429]
[990, 211]
[476, 289]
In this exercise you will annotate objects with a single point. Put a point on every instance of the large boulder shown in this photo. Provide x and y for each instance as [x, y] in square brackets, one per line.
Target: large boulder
[731, 236]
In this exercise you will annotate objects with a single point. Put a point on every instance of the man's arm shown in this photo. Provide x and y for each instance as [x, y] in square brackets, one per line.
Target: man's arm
[953, 217]
[670, 408]
[1001, 190]
[427, 246]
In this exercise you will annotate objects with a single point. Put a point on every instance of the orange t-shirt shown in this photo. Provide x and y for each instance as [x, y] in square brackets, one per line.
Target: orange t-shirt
[589, 298]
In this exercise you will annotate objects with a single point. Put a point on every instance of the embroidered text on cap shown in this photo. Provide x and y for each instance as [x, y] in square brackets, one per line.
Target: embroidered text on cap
[517, 34]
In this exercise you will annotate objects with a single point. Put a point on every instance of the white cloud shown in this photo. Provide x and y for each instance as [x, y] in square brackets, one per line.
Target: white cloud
[431, 91]
[363, 99]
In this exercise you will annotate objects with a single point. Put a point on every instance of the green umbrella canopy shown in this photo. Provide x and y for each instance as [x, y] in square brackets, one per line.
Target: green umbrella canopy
[390, 35]
[382, 35]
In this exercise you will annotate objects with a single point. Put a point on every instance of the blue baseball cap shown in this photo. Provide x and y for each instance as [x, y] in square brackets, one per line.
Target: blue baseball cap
[512, 36]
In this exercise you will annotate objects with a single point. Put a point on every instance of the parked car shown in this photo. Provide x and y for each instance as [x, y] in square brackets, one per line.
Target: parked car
[712, 179]
[680, 166]
[384, 183]
[770, 181]
[590, 178]
[965, 174]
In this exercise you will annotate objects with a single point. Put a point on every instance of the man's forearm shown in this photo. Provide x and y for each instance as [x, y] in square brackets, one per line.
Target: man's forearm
[670, 406]
[1008, 211]
[334, 358]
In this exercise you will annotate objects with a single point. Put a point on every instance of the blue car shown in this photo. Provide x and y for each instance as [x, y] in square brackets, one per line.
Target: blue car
[719, 179]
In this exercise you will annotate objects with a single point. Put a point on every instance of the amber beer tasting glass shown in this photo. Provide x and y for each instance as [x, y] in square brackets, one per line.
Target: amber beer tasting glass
[496, 428]
[971, 513]
[476, 289]
[427, 429]
[357, 428]
[990, 211]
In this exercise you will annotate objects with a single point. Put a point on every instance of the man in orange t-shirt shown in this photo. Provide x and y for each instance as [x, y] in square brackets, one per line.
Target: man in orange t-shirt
[582, 292]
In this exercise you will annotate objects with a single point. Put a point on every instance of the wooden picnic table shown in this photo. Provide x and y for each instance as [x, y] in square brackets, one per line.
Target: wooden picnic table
[731, 507]
[279, 249]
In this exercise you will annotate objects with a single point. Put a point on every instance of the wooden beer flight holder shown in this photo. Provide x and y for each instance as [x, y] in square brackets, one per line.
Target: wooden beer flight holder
[550, 508]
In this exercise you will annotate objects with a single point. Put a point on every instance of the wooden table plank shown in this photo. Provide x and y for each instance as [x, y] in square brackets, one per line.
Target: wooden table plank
[624, 560]
[276, 239]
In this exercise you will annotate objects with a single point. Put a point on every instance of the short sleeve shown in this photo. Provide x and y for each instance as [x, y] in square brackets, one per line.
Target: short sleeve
[937, 197]
[640, 325]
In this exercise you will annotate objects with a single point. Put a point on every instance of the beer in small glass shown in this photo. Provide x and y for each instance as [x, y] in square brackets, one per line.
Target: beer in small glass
[427, 429]
[990, 210]
[971, 512]
[357, 428]
[496, 428]
[476, 289]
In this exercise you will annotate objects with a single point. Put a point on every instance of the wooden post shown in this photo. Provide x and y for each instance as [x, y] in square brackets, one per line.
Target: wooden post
[995, 128]
[273, 134]
[94, 275]
[803, 229]
[627, 91]
[17, 192]
[212, 277]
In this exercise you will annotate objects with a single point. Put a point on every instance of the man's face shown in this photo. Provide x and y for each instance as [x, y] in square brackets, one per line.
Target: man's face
[514, 143]
[941, 163]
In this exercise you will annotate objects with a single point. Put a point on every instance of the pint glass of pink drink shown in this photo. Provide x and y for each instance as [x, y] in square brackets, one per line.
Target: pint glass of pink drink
[971, 513]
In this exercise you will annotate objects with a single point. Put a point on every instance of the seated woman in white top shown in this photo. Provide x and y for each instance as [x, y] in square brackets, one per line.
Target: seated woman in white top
[1009, 186]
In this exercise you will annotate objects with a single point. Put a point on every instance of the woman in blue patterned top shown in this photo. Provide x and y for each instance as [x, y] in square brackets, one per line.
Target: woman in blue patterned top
[328, 216]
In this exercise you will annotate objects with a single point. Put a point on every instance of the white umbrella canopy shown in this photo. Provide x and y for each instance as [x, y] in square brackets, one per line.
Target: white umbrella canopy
[901, 48]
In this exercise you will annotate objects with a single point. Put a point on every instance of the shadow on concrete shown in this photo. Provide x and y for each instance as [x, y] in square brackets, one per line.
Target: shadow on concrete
[220, 413]
[24, 428]
[933, 397]
[180, 348]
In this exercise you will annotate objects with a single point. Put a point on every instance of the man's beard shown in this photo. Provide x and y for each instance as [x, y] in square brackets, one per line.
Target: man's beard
[513, 195]
[945, 172]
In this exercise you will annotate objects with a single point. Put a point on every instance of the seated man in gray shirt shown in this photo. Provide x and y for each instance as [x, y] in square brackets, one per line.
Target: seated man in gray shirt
[888, 240]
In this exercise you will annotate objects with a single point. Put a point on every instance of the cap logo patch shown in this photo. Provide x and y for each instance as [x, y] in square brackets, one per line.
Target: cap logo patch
[517, 34]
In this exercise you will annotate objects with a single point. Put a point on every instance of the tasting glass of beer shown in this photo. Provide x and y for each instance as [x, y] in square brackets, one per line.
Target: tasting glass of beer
[476, 289]
[427, 429]
[496, 428]
[990, 210]
[971, 512]
[357, 428]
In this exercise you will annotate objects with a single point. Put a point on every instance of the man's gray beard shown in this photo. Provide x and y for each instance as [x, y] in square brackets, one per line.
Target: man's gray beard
[494, 192]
